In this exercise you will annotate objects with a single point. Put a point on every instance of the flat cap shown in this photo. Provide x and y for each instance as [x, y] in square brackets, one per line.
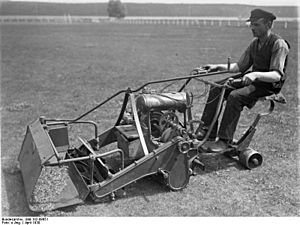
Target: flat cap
[259, 13]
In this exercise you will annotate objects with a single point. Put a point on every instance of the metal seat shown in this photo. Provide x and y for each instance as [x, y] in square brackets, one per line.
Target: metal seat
[279, 98]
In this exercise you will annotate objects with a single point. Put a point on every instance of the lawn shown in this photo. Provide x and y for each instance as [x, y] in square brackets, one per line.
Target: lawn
[61, 71]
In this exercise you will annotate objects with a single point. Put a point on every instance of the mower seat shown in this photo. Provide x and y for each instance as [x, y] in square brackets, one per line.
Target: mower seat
[278, 98]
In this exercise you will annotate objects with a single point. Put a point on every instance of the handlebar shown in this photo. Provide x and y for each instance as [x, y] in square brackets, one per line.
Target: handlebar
[203, 73]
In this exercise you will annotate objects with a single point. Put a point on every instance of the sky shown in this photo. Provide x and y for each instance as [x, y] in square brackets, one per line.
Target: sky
[248, 2]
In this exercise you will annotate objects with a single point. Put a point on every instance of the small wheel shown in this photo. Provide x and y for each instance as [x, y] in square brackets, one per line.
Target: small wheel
[250, 158]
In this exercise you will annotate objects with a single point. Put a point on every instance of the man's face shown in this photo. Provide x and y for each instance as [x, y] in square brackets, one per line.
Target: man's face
[259, 28]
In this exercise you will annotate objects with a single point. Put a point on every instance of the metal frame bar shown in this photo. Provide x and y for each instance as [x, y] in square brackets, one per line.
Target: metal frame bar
[255, 122]
[90, 157]
[219, 106]
[66, 121]
[133, 172]
[138, 125]
[125, 101]
[154, 82]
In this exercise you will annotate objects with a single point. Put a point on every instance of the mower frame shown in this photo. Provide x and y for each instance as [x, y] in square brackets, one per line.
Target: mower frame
[174, 161]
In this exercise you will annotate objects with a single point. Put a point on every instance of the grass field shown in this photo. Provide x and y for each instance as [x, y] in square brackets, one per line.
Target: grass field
[61, 71]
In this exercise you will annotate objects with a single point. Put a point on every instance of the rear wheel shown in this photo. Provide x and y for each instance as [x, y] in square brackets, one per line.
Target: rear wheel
[250, 158]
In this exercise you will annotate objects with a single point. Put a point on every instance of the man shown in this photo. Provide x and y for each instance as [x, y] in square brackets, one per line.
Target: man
[267, 55]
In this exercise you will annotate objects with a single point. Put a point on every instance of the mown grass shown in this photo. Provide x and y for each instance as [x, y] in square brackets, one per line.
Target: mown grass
[63, 70]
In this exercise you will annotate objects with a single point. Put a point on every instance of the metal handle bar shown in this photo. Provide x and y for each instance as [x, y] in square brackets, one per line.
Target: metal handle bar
[183, 78]
[154, 82]
[97, 106]
[91, 156]
[64, 121]
[219, 107]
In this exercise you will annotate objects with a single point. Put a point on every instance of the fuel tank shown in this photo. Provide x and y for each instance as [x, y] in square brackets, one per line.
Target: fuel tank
[162, 101]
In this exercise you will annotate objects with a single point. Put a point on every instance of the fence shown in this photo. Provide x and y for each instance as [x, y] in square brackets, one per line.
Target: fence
[188, 21]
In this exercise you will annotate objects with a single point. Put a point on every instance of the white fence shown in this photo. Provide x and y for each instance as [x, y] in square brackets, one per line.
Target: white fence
[68, 19]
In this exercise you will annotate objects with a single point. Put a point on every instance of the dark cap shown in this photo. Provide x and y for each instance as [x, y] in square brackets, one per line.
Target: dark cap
[259, 13]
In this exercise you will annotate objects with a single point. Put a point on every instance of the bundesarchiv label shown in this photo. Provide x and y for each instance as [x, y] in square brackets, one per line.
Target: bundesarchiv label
[24, 220]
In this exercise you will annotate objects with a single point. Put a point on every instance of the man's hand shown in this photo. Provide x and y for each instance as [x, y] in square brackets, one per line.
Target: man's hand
[219, 67]
[249, 78]
[211, 67]
[198, 70]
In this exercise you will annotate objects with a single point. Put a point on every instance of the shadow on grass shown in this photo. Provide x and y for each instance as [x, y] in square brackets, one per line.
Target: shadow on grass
[216, 162]
[16, 197]
[153, 185]
[145, 187]
[16, 204]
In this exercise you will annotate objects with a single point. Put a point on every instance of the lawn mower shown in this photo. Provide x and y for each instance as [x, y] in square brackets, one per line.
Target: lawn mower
[154, 135]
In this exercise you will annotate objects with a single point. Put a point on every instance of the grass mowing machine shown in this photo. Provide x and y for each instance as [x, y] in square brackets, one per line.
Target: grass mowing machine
[156, 136]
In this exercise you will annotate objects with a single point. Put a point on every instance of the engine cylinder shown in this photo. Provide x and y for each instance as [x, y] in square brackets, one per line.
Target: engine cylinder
[164, 101]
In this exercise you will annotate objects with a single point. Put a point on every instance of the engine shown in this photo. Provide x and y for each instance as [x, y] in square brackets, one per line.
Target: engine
[159, 114]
